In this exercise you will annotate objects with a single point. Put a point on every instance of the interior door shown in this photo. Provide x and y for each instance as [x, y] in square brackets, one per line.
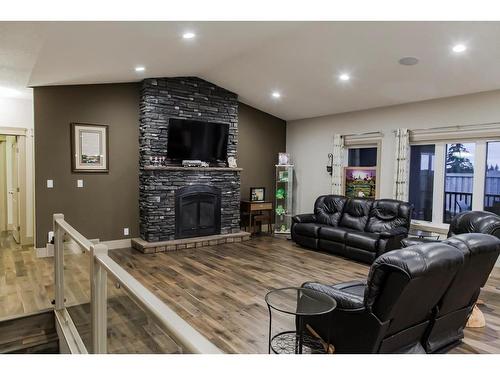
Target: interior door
[15, 192]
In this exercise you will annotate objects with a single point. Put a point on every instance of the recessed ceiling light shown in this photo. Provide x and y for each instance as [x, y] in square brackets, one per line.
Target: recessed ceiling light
[408, 61]
[188, 35]
[8, 92]
[344, 77]
[140, 68]
[276, 94]
[458, 48]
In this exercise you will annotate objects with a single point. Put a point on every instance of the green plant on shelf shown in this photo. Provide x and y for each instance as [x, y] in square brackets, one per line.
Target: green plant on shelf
[280, 193]
[280, 210]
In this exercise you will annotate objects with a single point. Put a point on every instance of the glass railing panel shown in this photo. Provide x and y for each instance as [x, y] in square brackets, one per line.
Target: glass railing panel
[77, 290]
[130, 329]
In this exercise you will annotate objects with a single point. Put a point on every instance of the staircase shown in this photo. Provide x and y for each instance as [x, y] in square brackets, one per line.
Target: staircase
[31, 334]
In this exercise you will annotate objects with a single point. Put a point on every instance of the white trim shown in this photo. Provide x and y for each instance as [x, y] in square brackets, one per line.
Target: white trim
[69, 338]
[4, 130]
[453, 133]
[479, 178]
[123, 243]
[438, 189]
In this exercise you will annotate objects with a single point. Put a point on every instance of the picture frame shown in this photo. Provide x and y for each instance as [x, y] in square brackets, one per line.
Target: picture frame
[89, 148]
[360, 182]
[257, 194]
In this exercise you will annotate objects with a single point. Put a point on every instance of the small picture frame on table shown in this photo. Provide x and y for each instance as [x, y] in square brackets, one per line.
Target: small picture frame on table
[89, 148]
[257, 194]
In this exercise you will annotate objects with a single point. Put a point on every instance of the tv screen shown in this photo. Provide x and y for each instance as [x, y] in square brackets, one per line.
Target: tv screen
[197, 140]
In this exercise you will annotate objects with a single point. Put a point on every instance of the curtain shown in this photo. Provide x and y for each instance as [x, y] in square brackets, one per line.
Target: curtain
[401, 170]
[338, 165]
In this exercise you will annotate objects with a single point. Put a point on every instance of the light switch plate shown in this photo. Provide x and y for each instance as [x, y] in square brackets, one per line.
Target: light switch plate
[50, 184]
[79, 183]
[125, 231]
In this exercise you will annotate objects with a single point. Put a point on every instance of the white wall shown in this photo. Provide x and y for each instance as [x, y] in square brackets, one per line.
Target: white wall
[310, 140]
[16, 113]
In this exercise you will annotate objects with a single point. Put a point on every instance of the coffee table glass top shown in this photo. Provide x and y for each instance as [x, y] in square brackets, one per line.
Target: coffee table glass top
[300, 301]
[423, 234]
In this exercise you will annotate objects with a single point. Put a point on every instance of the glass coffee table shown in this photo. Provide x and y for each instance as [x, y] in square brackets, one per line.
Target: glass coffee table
[300, 302]
[423, 234]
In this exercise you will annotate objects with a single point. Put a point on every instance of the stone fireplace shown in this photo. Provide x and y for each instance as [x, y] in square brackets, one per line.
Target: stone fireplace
[177, 202]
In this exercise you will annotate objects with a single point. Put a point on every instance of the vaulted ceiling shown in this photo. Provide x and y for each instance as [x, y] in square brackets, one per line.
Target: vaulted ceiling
[300, 60]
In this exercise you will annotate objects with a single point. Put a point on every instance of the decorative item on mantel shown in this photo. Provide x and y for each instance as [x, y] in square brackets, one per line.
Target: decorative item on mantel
[157, 161]
[231, 162]
[283, 195]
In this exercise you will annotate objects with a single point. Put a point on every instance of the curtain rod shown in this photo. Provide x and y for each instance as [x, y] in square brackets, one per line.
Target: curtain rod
[452, 127]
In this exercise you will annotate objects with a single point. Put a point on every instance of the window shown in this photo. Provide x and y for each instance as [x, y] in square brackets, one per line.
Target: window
[492, 180]
[422, 180]
[362, 157]
[459, 179]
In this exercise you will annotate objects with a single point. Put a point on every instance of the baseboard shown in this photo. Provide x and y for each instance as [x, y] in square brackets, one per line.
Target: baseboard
[124, 243]
[45, 252]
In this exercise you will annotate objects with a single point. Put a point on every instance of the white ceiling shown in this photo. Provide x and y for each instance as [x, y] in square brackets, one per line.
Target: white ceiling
[299, 59]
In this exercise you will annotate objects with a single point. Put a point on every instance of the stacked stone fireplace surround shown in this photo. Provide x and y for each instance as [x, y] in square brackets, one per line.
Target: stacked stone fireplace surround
[185, 98]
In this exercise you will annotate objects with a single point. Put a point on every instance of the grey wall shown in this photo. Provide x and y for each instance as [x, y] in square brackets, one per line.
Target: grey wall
[108, 202]
[310, 140]
[261, 138]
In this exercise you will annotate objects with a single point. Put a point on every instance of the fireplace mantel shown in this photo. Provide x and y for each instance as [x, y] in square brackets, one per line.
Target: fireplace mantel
[188, 169]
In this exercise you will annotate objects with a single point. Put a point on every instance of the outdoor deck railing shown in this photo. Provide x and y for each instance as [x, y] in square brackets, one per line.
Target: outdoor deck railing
[101, 266]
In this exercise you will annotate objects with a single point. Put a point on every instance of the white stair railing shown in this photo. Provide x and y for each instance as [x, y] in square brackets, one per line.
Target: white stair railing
[101, 265]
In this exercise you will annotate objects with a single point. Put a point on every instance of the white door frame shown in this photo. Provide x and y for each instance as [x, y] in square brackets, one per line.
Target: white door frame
[23, 144]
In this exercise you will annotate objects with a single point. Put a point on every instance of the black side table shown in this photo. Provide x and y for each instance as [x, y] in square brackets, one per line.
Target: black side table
[300, 302]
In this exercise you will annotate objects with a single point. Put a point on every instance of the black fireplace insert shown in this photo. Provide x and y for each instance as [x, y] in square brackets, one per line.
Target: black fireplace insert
[197, 211]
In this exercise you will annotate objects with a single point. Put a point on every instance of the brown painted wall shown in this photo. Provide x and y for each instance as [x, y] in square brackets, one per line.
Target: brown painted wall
[260, 138]
[109, 202]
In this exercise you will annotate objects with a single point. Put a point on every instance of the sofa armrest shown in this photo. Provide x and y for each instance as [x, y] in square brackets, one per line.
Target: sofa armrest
[345, 300]
[304, 218]
[394, 232]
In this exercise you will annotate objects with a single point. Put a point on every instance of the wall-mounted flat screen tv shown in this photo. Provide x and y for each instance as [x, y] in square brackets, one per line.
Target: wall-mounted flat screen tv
[197, 140]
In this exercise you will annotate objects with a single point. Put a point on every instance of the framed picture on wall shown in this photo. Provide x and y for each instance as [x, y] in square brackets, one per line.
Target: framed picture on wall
[89, 148]
[360, 182]
[257, 194]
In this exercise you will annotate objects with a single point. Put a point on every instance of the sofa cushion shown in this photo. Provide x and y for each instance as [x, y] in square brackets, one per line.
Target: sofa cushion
[387, 214]
[307, 229]
[355, 214]
[334, 233]
[328, 209]
[363, 240]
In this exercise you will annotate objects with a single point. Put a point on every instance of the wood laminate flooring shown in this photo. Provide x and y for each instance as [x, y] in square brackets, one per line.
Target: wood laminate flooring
[219, 290]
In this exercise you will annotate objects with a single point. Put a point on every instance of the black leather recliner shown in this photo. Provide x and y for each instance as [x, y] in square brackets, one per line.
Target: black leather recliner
[357, 228]
[413, 300]
[466, 222]
[453, 311]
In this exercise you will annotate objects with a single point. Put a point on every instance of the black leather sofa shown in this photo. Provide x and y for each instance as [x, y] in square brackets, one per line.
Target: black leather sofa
[356, 228]
[415, 300]
[466, 222]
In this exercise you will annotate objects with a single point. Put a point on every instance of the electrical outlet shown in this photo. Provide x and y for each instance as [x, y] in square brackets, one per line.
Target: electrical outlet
[50, 184]
[125, 231]
[79, 183]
